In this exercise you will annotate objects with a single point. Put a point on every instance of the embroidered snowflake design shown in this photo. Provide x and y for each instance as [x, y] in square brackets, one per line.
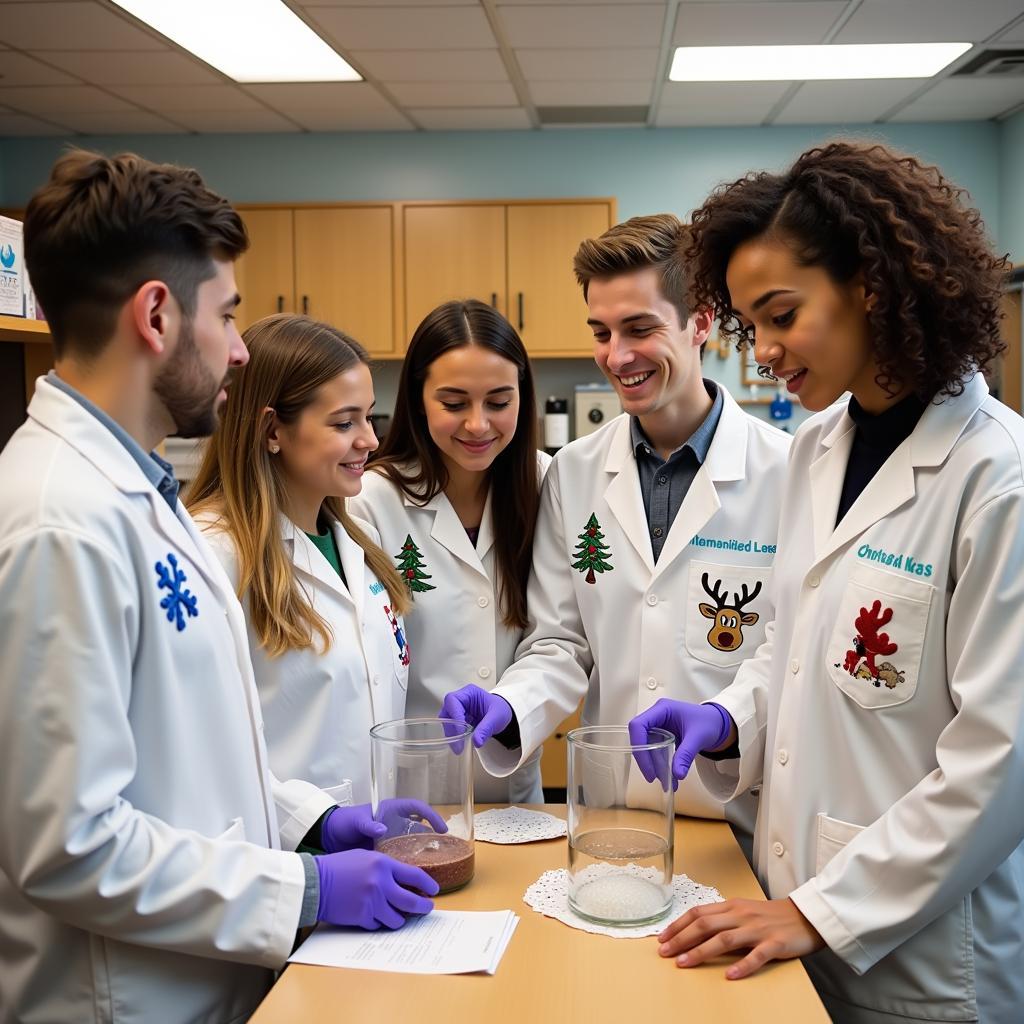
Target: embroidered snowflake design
[178, 598]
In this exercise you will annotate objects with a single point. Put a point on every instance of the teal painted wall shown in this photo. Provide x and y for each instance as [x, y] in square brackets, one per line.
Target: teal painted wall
[646, 170]
[1011, 187]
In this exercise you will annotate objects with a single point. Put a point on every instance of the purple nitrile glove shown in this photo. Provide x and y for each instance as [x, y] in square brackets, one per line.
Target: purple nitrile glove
[367, 889]
[355, 828]
[696, 727]
[486, 712]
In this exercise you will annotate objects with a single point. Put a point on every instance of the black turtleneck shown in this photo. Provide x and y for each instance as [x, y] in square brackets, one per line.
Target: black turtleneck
[877, 437]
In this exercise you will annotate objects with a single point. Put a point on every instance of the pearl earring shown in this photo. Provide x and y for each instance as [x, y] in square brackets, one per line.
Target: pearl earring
[274, 449]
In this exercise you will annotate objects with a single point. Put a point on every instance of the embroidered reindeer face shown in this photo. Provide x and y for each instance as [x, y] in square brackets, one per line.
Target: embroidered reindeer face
[726, 634]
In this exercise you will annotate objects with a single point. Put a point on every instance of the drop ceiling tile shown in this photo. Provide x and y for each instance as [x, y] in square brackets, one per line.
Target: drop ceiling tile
[124, 122]
[386, 120]
[188, 97]
[838, 103]
[73, 26]
[621, 64]
[465, 119]
[315, 4]
[964, 99]
[229, 121]
[750, 24]
[433, 65]
[406, 28]
[717, 103]
[49, 101]
[126, 68]
[579, 27]
[927, 21]
[21, 124]
[21, 69]
[590, 94]
[453, 94]
[321, 96]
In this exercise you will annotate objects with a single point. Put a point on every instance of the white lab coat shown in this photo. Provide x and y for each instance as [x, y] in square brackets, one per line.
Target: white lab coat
[133, 758]
[318, 708]
[456, 631]
[891, 799]
[638, 633]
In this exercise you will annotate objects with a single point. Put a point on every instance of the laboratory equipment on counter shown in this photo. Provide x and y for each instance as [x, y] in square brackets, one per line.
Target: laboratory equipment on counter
[621, 827]
[431, 760]
[596, 405]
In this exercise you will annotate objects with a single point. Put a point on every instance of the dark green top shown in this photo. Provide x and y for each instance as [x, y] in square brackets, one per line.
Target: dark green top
[328, 547]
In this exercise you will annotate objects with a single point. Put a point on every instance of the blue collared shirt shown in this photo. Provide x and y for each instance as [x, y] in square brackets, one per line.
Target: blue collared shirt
[664, 482]
[158, 472]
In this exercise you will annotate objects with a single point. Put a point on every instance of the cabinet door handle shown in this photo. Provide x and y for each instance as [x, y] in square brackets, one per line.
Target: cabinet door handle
[280, 303]
[520, 311]
[305, 305]
[494, 300]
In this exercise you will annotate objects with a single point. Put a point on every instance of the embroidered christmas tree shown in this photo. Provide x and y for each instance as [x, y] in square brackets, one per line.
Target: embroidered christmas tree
[591, 552]
[411, 566]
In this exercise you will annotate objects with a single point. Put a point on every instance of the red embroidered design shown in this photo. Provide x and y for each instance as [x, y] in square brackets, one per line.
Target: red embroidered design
[869, 644]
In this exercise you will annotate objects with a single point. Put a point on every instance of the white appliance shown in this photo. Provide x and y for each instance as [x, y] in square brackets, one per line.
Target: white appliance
[595, 405]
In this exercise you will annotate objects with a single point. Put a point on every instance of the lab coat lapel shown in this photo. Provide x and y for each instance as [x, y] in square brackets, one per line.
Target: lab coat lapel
[449, 532]
[310, 562]
[622, 495]
[353, 562]
[485, 538]
[726, 461]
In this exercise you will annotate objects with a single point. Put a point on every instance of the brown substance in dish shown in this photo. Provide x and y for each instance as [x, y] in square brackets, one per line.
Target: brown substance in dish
[447, 859]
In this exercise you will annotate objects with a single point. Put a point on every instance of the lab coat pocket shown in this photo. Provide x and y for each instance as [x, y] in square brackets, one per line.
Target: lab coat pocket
[874, 655]
[833, 836]
[726, 611]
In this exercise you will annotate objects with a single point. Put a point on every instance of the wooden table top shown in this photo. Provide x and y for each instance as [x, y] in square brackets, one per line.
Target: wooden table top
[551, 972]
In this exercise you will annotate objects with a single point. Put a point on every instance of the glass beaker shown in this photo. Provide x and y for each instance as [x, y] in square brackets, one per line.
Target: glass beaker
[429, 760]
[621, 827]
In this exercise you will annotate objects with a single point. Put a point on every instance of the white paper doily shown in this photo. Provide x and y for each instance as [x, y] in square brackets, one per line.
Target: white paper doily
[516, 825]
[549, 896]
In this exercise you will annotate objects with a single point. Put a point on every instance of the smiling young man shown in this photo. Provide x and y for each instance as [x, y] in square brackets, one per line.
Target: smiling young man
[656, 534]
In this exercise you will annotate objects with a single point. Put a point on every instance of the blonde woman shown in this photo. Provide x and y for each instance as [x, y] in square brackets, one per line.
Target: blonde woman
[323, 602]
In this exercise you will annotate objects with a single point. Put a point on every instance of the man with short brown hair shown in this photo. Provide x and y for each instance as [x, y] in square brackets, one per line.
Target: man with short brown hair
[656, 534]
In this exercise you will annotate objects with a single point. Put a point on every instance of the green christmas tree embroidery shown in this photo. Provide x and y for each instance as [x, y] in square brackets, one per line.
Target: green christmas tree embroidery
[411, 566]
[591, 552]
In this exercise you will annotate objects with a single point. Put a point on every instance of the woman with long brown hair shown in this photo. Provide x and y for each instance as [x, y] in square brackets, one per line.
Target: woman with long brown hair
[323, 603]
[454, 495]
[883, 718]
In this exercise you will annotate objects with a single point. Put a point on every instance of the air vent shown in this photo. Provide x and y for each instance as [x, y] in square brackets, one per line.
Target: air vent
[994, 64]
[592, 115]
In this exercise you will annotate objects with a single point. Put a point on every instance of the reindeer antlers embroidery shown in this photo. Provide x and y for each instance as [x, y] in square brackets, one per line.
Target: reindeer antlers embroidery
[869, 644]
[726, 634]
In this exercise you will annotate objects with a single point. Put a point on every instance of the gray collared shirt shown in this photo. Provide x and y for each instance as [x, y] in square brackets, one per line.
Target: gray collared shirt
[664, 482]
[158, 472]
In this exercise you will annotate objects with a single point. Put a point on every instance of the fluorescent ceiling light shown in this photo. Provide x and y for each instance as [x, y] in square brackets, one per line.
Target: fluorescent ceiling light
[249, 40]
[807, 63]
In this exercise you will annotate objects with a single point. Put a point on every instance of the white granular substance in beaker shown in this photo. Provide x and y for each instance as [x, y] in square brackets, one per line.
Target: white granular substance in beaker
[620, 897]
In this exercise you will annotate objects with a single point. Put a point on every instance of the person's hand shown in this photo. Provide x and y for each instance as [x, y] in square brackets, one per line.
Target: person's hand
[696, 727]
[352, 828]
[367, 889]
[771, 930]
[486, 712]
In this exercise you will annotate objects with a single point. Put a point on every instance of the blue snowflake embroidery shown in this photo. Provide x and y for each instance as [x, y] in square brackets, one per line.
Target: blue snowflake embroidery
[178, 598]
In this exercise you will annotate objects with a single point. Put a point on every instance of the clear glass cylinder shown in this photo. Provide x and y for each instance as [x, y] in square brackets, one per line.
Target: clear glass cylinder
[621, 827]
[428, 760]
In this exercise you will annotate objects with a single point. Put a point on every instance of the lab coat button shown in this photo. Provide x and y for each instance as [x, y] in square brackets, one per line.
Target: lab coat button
[794, 666]
[783, 756]
[778, 849]
[483, 601]
[814, 581]
[376, 680]
[652, 683]
[483, 672]
[652, 599]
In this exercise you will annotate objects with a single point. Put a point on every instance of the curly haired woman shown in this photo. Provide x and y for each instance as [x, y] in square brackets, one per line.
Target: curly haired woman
[884, 720]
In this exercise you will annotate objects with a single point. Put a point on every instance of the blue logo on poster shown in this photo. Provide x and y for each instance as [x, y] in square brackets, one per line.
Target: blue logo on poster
[7, 257]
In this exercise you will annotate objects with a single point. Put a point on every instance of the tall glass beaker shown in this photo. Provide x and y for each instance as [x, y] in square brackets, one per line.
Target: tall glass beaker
[621, 827]
[428, 760]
